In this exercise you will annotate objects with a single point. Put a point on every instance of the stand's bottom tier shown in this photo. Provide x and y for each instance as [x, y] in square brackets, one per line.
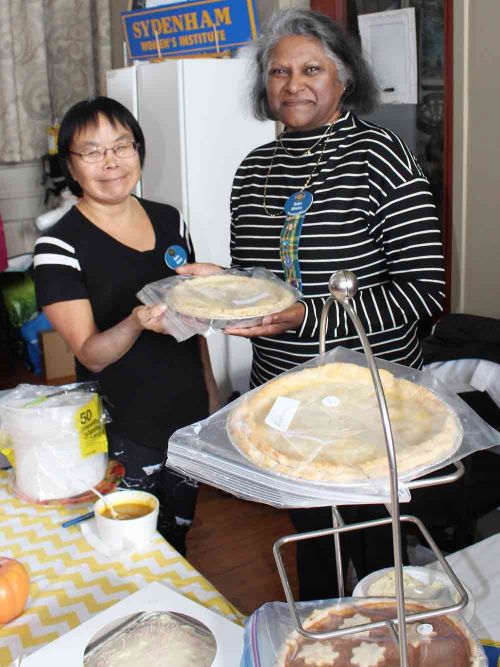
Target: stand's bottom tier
[442, 641]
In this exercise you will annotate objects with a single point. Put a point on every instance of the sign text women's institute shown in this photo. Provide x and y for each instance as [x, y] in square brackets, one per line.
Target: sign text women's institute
[197, 26]
[189, 22]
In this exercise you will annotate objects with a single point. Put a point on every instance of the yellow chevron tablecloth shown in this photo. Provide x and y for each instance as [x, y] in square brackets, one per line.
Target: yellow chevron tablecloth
[70, 581]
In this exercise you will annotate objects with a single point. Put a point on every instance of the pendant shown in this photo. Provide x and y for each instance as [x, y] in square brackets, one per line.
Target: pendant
[298, 203]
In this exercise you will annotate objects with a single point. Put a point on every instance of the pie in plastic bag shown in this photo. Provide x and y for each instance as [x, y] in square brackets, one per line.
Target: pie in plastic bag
[324, 424]
[443, 641]
[228, 296]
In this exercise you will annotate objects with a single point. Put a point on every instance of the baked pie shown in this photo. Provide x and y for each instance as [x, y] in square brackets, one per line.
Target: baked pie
[324, 424]
[230, 296]
[443, 641]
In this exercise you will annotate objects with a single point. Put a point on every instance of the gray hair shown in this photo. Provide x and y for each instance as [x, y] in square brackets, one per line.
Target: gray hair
[353, 72]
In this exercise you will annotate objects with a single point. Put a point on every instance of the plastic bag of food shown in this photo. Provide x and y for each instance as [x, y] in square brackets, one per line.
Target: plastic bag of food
[55, 439]
[230, 298]
[154, 638]
[420, 584]
[313, 436]
[271, 640]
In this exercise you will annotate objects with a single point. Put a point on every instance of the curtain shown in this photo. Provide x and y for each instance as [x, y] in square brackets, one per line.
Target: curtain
[53, 53]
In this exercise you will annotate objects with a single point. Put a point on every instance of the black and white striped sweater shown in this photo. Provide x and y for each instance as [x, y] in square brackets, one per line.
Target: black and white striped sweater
[372, 213]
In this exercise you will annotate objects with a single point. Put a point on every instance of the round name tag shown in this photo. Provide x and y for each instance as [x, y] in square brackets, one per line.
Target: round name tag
[175, 256]
[298, 203]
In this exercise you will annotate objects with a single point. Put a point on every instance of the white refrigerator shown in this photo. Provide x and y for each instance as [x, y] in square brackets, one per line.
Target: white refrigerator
[197, 122]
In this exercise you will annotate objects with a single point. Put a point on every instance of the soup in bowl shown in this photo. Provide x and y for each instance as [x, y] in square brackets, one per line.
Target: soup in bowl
[127, 511]
[136, 522]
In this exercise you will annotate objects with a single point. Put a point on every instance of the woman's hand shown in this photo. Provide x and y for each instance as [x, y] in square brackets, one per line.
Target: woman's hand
[272, 325]
[150, 317]
[199, 269]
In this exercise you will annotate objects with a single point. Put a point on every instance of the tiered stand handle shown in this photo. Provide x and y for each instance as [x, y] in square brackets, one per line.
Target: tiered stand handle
[343, 287]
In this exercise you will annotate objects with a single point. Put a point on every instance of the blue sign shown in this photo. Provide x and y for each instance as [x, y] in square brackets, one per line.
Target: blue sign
[189, 28]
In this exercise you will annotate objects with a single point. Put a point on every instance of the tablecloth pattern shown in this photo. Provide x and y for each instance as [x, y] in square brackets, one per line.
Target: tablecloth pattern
[70, 581]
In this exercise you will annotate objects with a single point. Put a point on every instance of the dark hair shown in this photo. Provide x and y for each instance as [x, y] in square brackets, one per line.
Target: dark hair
[361, 92]
[86, 114]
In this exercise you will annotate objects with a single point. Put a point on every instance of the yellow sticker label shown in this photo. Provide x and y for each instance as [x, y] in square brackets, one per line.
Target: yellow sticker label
[93, 438]
[8, 452]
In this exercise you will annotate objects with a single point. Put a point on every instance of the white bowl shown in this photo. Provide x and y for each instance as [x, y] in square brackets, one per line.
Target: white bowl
[426, 576]
[129, 533]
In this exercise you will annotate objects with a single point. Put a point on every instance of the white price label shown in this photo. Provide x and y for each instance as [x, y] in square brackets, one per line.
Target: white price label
[331, 401]
[281, 414]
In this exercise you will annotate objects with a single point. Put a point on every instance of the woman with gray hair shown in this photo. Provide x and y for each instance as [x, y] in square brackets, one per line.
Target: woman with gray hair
[360, 92]
[332, 192]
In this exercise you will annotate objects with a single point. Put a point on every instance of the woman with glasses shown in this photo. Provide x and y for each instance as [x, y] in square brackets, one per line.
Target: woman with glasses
[88, 270]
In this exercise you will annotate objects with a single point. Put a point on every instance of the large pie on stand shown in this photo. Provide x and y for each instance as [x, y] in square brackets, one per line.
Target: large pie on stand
[323, 424]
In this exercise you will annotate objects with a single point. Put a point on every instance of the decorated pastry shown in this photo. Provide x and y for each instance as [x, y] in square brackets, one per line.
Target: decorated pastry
[385, 586]
[324, 424]
[228, 296]
[443, 641]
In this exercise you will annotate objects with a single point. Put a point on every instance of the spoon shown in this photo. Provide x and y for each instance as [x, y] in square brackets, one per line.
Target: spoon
[109, 506]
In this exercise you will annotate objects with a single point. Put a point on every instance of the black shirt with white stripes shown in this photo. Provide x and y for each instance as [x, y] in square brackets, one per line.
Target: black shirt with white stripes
[372, 213]
[157, 386]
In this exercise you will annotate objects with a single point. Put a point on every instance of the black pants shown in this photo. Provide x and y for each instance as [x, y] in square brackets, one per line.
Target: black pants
[369, 549]
[145, 470]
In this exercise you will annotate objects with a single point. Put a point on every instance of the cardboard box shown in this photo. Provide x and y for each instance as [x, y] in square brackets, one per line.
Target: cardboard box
[70, 647]
[58, 359]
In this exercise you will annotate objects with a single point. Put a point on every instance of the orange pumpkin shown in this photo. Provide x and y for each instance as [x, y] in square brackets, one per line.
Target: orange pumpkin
[14, 589]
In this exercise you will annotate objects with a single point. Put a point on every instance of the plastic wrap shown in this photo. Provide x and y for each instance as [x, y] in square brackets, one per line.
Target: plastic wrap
[153, 638]
[55, 439]
[420, 584]
[206, 304]
[271, 641]
[206, 452]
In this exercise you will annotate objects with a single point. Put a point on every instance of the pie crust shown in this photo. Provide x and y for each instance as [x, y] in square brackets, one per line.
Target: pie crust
[441, 641]
[230, 296]
[335, 434]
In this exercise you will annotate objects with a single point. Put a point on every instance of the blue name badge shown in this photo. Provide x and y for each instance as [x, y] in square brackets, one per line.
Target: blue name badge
[298, 203]
[175, 256]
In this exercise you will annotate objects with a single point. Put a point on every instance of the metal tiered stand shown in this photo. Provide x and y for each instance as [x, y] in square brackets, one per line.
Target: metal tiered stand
[343, 287]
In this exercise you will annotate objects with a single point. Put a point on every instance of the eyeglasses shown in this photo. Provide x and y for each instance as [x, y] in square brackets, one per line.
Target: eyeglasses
[98, 153]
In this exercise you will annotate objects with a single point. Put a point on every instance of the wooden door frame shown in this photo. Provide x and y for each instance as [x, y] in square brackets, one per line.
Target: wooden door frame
[448, 150]
[337, 10]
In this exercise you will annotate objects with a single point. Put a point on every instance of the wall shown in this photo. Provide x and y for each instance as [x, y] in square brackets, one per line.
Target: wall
[117, 6]
[476, 149]
[21, 201]
[266, 7]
